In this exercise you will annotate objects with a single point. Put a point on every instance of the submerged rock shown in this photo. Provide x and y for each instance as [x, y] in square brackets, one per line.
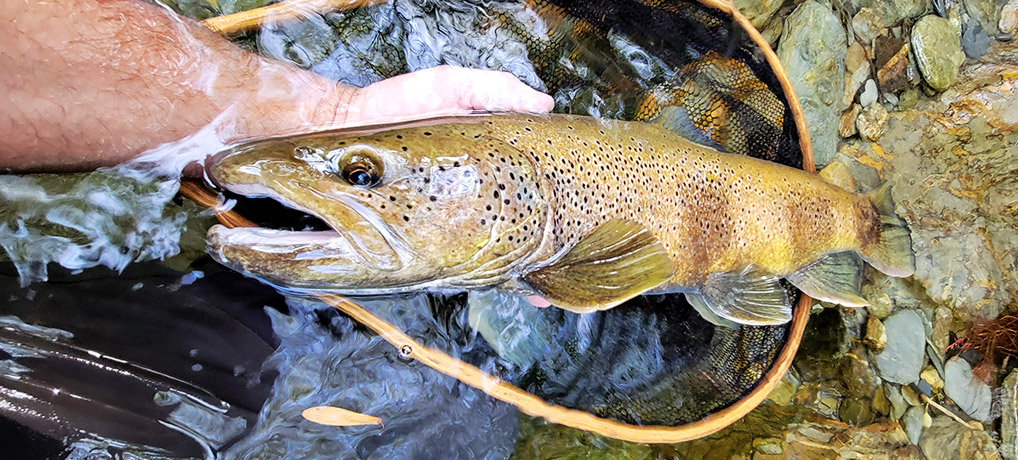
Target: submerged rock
[868, 24]
[846, 125]
[857, 67]
[938, 52]
[953, 165]
[813, 47]
[947, 439]
[872, 121]
[970, 394]
[1009, 417]
[894, 11]
[902, 358]
[1008, 17]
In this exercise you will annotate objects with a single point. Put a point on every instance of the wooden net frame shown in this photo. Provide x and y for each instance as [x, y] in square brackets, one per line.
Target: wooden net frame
[473, 376]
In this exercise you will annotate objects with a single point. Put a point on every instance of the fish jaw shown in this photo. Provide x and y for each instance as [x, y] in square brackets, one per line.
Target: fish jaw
[320, 260]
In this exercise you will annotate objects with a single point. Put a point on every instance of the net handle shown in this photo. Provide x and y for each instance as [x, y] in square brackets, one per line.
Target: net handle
[494, 386]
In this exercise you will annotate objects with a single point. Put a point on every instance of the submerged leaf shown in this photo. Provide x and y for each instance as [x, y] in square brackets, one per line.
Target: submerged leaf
[337, 416]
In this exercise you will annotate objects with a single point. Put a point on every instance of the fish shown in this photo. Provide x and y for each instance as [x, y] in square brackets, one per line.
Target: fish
[583, 212]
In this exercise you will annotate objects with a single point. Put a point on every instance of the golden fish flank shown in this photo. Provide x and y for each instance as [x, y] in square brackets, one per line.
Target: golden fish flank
[584, 213]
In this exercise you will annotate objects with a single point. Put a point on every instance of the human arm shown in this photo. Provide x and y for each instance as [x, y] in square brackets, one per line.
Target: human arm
[95, 82]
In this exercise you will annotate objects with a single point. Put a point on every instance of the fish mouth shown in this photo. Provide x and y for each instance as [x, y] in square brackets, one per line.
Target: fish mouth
[342, 248]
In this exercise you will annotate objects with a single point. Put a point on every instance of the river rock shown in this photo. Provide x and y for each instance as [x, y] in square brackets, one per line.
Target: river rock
[846, 125]
[813, 47]
[890, 56]
[868, 24]
[970, 394]
[894, 11]
[1008, 17]
[1009, 417]
[876, 334]
[938, 52]
[946, 439]
[953, 166]
[759, 13]
[857, 71]
[974, 41]
[869, 93]
[871, 122]
[984, 12]
[913, 423]
[902, 358]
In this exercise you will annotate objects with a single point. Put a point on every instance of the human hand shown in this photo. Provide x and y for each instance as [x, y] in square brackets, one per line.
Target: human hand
[444, 91]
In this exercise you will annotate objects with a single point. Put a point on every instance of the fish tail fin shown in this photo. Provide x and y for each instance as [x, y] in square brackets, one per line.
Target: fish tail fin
[891, 252]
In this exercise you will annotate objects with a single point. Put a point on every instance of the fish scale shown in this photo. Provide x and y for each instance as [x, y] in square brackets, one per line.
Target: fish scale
[712, 211]
[586, 213]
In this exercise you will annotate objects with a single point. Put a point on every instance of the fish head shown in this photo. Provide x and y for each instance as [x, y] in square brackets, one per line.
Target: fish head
[440, 207]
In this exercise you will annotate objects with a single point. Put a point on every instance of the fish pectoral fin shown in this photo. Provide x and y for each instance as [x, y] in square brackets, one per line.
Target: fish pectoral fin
[835, 278]
[700, 305]
[616, 262]
[752, 297]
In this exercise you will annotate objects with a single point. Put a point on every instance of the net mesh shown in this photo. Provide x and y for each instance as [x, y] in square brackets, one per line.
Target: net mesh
[650, 361]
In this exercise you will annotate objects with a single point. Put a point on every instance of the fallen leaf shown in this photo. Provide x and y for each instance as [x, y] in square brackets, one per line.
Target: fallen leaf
[337, 416]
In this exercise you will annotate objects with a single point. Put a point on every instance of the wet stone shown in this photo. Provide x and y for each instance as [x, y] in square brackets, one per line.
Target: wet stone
[938, 52]
[946, 439]
[971, 394]
[759, 13]
[880, 404]
[913, 423]
[768, 446]
[846, 126]
[856, 412]
[891, 60]
[872, 121]
[932, 378]
[868, 24]
[1009, 17]
[902, 358]
[894, 11]
[985, 13]
[813, 47]
[876, 334]
[860, 378]
[974, 40]
[897, 401]
[1009, 417]
[857, 69]
[869, 94]
[785, 391]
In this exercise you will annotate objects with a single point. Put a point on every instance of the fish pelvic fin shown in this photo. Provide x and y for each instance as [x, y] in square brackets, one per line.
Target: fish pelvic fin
[752, 296]
[616, 262]
[835, 278]
[891, 252]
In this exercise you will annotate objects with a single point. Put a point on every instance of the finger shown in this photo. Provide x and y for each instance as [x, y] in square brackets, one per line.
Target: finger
[492, 91]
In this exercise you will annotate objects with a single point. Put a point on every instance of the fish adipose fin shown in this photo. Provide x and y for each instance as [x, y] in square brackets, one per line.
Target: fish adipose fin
[892, 252]
[616, 262]
[752, 297]
[835, 278]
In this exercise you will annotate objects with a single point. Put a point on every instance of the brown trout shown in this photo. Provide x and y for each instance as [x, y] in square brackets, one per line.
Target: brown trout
[582, 212]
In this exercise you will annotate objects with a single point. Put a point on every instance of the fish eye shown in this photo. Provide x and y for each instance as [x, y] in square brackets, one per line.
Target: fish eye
[361, 171]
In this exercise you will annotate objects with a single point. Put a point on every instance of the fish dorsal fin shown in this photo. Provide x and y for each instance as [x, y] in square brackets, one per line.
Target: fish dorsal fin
[835, 278]
[752, 296]
[614, 263]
